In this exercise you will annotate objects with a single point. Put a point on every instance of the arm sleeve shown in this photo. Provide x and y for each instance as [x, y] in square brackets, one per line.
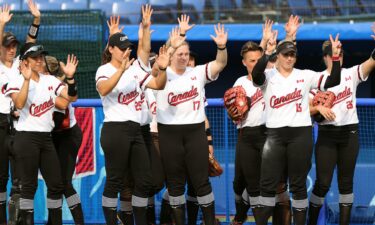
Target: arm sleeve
[335, 77]
[258, 72]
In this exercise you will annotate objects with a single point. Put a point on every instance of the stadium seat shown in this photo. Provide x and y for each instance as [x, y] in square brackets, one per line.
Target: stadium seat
[198, 4]
[104, 6]
[300, 7]
[48, 6]
[73, 5]
[130, 10]
[187, 9]
[348, 7]
[163, 2]
[163, 14]
[368, 6]
[324, 7]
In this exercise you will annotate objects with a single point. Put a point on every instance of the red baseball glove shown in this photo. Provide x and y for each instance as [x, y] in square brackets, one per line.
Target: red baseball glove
[214, 168]
[237, 103]
[324, 98]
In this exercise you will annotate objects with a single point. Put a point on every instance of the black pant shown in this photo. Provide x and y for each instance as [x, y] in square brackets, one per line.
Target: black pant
[248, 160]
[336, 145]
[152, 145]
[286, 148]
[67, 143]
[35, 150]
[4, 153]
[184, 153]
[124, 150]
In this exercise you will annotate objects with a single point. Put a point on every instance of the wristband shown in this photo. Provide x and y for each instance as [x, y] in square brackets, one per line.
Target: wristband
[373, 54]
[33, 31]
[72, 89]
[335, 58]
[208, 132]
[221, 49]
[182, 35]
[163, 69]
[210, 142]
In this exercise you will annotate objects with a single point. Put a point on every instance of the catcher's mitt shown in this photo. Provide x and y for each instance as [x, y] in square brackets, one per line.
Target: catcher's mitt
[236, 98]
[214, 168]
[323, 98]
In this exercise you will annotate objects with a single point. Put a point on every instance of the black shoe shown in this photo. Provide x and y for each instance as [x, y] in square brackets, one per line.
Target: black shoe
[282, 214]
[299, 216]
[110, 215]
[345, 211]
[208, 212]
[27, 216]
[125, 218]
[77, 214]
[313, 214]
[192, 212]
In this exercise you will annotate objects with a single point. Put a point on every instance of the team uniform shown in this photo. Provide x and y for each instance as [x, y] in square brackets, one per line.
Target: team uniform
[337, 142]
[33, 145]
[183, 142]
[6, 75]
[289, 136]
[122, 140]
[67, 138]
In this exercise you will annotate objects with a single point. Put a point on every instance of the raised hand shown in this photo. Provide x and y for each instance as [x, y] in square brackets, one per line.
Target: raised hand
[126, 61]
[292, 25]
[25, 70]
[33, 9]
[183, 23]
[336, 45]
[163, 57]
[267, 30]
[271, 45]
[146, 15]
[5, 15]
[175, 38]
[221, 36]
[70, 67]
[113, 25]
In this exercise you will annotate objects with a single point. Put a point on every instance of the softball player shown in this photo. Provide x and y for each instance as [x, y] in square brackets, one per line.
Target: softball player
[180, 116]
[9, 70]
[289, 140]
[337, 143]
[67, 137]
[34, 96]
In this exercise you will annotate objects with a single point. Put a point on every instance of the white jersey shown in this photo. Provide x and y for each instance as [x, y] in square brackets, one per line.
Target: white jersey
[6, 75]
[344, 106]
[256, 115]
[287, 98]
[182, 100]
[72, 117]
[36, 115]
[124, 102]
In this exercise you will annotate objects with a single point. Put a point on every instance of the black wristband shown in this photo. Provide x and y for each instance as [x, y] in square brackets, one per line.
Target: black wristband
[163, 69]
[208, 132]
[182, 35]
[33, 31]
[221, 49]
[72, 89]
[373, 54]
[210, 142]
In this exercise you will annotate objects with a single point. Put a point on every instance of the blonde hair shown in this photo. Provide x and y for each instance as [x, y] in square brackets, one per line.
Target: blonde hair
[53, 66]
